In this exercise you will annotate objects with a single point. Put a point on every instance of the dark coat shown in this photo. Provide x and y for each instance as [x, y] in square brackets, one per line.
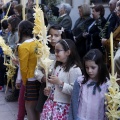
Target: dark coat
[112, 19]
[81, 25]
[94, 38]
[65, 22]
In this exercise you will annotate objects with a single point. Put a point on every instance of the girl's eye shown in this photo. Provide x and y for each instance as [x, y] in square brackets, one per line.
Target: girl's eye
[93, 67]
[56, 35]
[86, 67]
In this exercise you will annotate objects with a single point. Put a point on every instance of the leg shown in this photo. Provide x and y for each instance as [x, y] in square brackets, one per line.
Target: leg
[21, 103]
[32, 114]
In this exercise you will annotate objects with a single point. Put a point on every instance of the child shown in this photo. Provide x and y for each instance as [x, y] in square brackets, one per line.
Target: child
[28, 60]
[13, 22]
[56, 33]
[4, 32]
[12, 40]
[25, 32]
[88, 97]
[67, 69]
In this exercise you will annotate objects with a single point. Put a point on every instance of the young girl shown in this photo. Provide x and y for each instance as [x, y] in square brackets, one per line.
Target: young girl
[56, 33]
[12, 41]
[28, 60]
[25, 32]
[88, 97]
[13, 22]
[67, 69]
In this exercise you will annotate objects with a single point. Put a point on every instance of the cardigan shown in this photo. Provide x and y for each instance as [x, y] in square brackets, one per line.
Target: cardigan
[80, 94]
[64, 95]
[28, 59]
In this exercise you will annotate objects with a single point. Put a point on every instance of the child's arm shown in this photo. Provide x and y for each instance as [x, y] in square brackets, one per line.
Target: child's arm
[74, 102]
[18, 79]
[73, 74]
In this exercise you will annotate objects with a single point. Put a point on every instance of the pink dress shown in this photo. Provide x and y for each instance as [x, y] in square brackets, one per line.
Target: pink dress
[91, 106]
[54, 110]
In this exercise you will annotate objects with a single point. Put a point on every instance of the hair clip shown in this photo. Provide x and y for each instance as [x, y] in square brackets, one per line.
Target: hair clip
[93, 5]
[62, 30]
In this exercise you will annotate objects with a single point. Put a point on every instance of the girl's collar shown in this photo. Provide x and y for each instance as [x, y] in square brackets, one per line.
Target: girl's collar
[29, 40]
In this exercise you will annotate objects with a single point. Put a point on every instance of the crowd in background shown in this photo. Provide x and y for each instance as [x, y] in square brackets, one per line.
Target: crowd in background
[80, 54]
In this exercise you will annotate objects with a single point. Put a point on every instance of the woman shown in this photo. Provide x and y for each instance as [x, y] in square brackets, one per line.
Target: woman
[18, 11]
[81, 26]
[93, 34]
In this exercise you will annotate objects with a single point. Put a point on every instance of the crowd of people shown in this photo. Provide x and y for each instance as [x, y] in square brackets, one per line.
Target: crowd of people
[80, 73]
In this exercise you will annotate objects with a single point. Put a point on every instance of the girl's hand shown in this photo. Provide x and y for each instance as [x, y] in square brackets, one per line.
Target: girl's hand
[54, 80]
[15, 61]
[47, 91]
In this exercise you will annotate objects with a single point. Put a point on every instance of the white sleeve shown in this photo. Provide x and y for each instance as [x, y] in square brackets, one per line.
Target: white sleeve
[74, 73]
[19, 77]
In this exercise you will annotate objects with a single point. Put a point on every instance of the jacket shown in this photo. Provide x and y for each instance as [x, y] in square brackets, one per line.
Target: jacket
[65, 22]
[64, 95]
[28, 59]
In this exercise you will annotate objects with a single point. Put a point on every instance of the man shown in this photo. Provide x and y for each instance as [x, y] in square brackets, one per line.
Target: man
[64, 19]
[111, 20]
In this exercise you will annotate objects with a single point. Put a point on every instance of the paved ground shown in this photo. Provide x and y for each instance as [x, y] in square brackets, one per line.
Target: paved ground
[8, 110]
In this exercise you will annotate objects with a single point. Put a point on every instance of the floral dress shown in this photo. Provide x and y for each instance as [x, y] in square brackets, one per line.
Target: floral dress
[54, 110]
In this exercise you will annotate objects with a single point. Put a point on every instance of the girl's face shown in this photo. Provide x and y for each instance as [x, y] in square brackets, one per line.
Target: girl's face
[55, 36]
[16, 12]
[91, 69]
[95, 14]
[60, 54]
[9, 27]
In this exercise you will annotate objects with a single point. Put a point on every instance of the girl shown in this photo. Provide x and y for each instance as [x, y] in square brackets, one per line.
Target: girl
[19, 85]
[56, 33]
[28, 60]
[13, 22]
[67, 69]
[12, 41]
[87, 101]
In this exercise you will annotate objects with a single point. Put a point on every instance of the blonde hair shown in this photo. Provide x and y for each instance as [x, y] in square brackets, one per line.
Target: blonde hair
[86, 11]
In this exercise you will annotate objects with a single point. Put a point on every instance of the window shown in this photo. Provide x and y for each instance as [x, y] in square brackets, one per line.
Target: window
[99, 1]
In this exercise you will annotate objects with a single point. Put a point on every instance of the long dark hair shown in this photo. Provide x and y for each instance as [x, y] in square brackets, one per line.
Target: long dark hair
[25, 29]
[96, 56]
[73, 58]
[14, 21]
[55, 27]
